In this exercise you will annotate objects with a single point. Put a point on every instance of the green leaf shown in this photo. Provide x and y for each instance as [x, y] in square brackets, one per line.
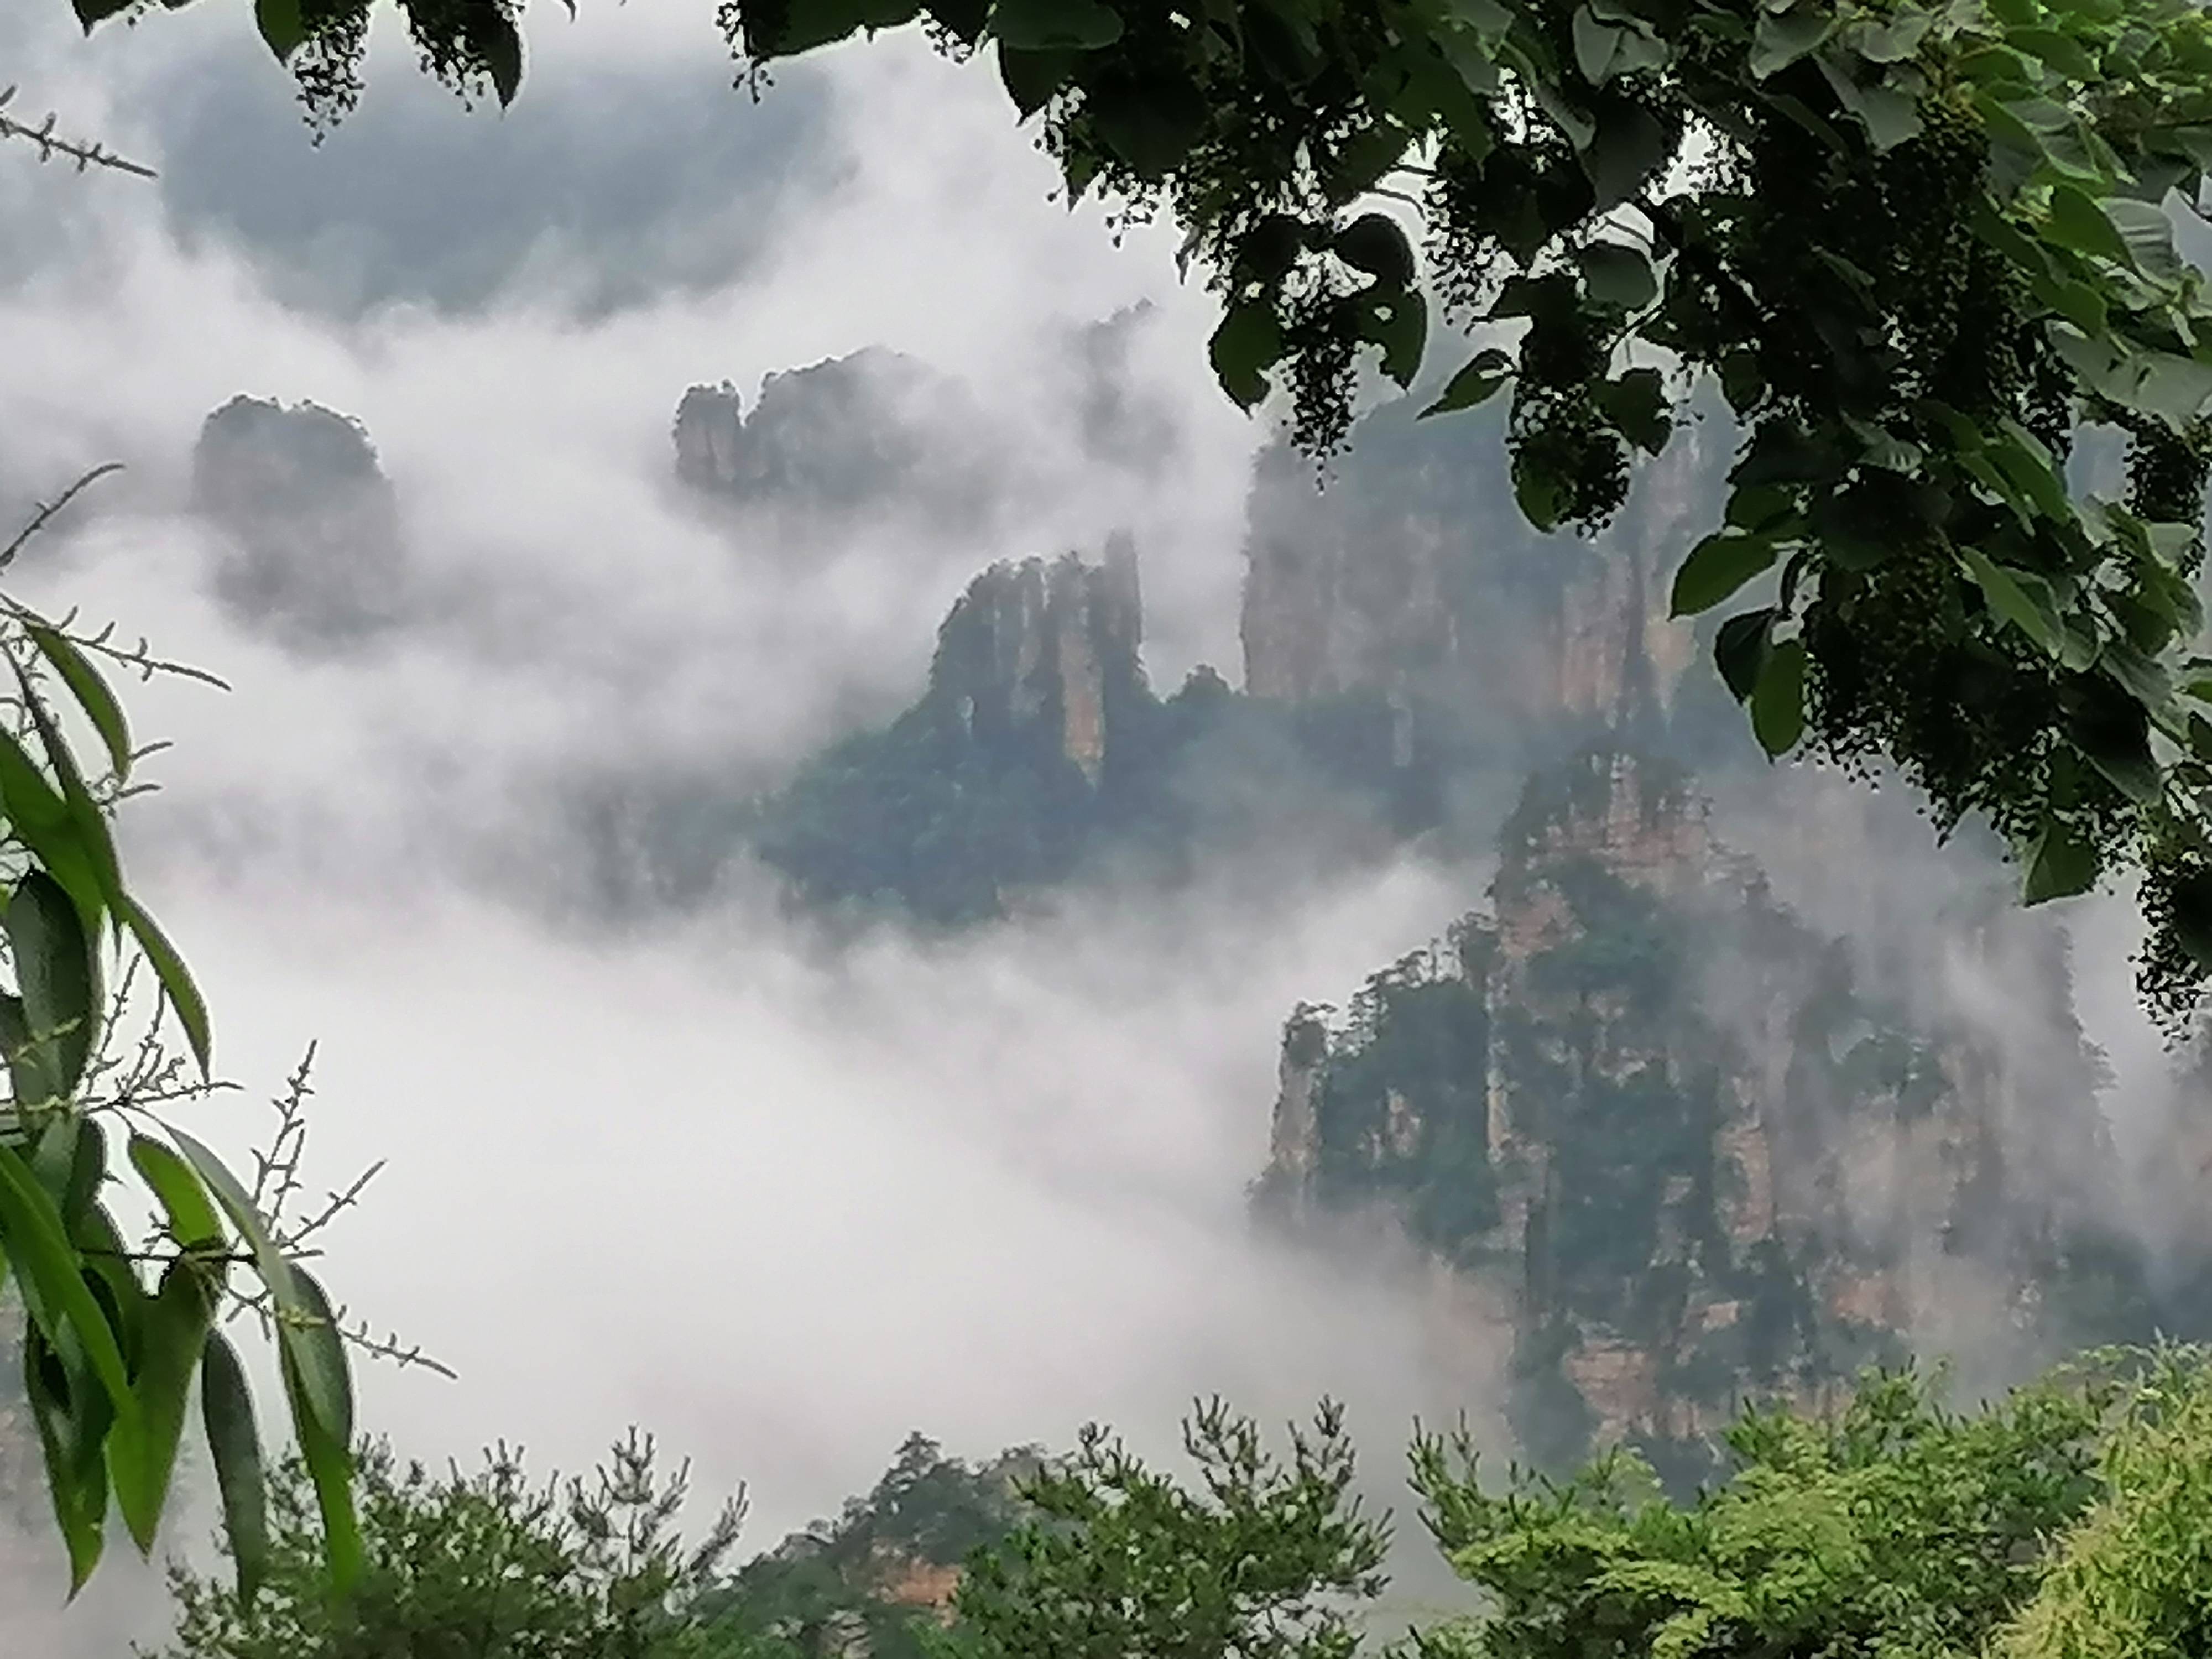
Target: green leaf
[90, 690]
[1635, 406]
[2008, 599]
[173, 1337]
[326, 1448]
[280, 26]
[2076, 221]
[91, 12]
[58, 975]
[1055, 25]
[1780, 38]
[227, 1411]
[300, 1315]
[1716, 568]
[1032, 78]
[1477, 382]
[1777, 702]
[1149, 122]
[1596, 45]
[55, 1294]
[1398, 321]
[1741, 650]
[1248, 341]
[1616, 275]
[1374, 243]
[2147, 232]
[2061, 864]
[2061, 52]
[501, 43]
[176, 980]
[41, 821]
[1627, 145]
[72, 1421]
[2112, 733]
[193, 1223]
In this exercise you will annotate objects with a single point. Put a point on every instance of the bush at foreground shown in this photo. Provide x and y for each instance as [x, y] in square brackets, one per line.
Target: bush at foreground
[2072, 1520]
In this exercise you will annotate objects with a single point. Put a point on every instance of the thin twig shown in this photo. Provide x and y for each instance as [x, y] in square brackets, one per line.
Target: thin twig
[84, 153]
[45, 516]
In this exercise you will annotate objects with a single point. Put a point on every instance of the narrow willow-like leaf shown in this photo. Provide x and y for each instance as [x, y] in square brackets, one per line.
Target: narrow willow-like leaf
[227, 1411]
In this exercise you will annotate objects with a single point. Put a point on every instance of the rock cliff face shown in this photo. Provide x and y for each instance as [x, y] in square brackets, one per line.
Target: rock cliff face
[1039, 654]
[313, 521]
[1412, 570]
[875, 432]
[1651, 1116]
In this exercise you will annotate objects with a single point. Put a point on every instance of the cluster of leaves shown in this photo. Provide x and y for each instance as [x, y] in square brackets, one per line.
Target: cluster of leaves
[2066, 1519]
[118, 1334]
[875, 1577]
[1267, 1560]
[1920, 245]
[481, 1563]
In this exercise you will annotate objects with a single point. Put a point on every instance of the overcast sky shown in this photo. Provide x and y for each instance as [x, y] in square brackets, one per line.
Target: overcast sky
[779, 1207]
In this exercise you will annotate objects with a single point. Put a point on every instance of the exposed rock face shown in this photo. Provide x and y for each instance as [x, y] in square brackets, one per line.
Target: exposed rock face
[1679, 1206]
[1044, 653]
[313, 520]
[875, 432]
[1413, 570]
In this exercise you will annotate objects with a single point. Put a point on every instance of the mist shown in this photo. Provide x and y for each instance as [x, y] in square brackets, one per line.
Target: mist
[776, 1202]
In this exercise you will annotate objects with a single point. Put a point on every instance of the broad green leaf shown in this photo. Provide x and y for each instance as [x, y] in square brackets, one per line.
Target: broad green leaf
[1374, 243]
[1614, 274]
[91, 12]
[1635, 406]
[2113, 734]
[1627, 145]
[226, 1410]
[1716, 568]
[193, 1219]
[175, 978]
[1055, 25]
[502, 45]
[1032, 78]
[2061, 52]
[1477, 382]
[2060, 864]
[57, 976]
[90, 690]
[1596, 45]
[1398, 321]
[1778, 700]
[280, 26]
[1741, 650]
[1247, 343]
[174, 1338]
[1150, 123]
[2009, 599]
[1893, 39]
[2078, 222]
[1780, 38]
[2147, 232]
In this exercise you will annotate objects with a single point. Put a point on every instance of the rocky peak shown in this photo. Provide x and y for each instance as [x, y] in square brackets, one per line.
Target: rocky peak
[1642, 1108]
[873, 432]
[1409, 573]
[313, 521]
[1044, 653]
